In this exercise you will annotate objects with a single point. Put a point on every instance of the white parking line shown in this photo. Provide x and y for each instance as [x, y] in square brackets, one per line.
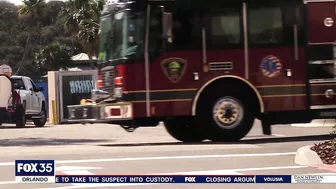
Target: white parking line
[278, 135]
[223, 172]
[8, 182]
[75, 168]
[162, 158]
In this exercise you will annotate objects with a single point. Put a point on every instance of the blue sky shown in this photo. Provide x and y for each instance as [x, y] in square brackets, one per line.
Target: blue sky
[17, 2]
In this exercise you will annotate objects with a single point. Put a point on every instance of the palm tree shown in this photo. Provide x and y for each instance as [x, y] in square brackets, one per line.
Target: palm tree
[82, 21]
[31, 9]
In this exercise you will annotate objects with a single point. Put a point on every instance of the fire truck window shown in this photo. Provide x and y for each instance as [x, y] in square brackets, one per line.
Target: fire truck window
[265, 26]
[155, 42]
[186, 30]
[294, 15]
[225, 28]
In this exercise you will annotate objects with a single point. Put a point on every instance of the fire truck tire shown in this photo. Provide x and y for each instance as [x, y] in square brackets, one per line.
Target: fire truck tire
[19, 116]
[225, 117]
[183, 129]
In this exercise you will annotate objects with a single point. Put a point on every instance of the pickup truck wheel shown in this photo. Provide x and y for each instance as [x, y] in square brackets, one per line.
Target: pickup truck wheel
[41, 121]
[183, 129]
[19, 116]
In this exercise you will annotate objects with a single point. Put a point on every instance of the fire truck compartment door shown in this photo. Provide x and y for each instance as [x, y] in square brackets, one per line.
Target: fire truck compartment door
[321, 22]
[321, 26]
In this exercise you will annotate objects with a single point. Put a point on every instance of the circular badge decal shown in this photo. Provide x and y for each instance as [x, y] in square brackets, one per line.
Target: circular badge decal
[270, 66]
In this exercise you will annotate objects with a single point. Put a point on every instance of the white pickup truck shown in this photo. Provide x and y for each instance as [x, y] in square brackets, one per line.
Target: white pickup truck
[20, 92]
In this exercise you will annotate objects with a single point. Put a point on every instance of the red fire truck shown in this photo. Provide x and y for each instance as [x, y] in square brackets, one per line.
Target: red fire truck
[209, 68]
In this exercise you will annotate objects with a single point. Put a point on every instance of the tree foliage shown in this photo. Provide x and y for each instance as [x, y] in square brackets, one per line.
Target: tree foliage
[54, 56]
[82, 21]
[41, 36]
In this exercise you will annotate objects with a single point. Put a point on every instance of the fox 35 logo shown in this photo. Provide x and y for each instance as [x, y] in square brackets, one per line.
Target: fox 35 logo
[34, 167]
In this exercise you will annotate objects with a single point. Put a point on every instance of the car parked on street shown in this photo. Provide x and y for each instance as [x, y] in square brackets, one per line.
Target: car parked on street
[24, 93]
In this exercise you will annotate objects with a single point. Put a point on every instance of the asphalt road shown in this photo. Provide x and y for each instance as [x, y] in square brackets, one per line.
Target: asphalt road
[107, 149]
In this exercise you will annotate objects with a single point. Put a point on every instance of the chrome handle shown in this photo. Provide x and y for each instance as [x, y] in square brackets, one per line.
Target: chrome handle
[72, 113]
[147, 83]
[204, 46]
[296, 48]
[196, 76]
[329, 93]
[288, 72]
[328, 22]
[85, 112]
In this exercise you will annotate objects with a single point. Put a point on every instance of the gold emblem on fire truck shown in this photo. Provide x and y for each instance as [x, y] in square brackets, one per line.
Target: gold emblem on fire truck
[174, 68]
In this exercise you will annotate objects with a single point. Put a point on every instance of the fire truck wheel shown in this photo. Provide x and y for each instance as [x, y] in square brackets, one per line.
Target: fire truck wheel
[227, 118]
[184, 129]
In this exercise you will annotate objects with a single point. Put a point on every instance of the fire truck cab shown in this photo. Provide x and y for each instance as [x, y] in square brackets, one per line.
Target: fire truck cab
[208, 69]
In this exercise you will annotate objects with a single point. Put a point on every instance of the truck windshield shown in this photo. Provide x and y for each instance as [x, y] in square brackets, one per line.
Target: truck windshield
[17, 84]
[121, 35]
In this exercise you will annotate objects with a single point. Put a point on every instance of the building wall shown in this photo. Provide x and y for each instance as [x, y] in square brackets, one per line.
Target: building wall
[44, 84]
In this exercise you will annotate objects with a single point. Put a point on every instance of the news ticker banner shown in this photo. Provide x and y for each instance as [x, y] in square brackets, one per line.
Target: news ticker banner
[43, 171]
[199, 179]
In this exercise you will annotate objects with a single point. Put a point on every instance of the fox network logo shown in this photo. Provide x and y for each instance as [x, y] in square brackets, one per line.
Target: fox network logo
[35, 171]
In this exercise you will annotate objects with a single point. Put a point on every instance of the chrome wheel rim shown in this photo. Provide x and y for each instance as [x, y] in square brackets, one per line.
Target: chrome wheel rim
[228, 112]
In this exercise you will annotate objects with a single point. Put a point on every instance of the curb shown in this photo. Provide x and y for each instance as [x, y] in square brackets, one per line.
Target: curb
[307, 157]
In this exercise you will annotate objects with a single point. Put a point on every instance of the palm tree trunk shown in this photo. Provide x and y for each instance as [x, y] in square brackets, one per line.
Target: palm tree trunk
[90, 60]
[24, 54]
